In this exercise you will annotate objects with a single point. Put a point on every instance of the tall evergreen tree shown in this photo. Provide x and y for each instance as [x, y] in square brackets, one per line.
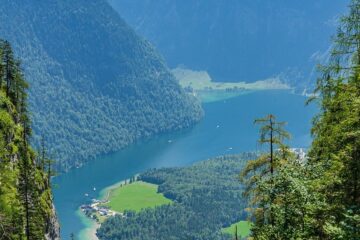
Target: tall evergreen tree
[236, 233]
[259, 174]
[25, 194]
[335, 153]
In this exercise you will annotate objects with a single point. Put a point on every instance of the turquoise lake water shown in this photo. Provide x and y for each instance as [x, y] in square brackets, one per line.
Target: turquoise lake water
[227, 128]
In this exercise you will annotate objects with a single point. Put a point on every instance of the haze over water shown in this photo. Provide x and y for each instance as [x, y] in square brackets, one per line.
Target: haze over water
[227, 128]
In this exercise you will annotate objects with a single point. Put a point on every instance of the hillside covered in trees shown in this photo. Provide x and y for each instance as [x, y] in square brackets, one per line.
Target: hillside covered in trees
[26, 208]
[96, 86]
[238, 40]
[206, 198]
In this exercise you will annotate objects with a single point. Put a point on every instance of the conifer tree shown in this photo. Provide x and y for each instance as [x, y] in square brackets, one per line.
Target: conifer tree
[258, 175]
[236, 233]
[25, 194]
[335, 154]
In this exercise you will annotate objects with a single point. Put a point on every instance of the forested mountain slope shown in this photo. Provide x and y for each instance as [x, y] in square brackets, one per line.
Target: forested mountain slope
[238, 40]
[96, 86]
[26, 208]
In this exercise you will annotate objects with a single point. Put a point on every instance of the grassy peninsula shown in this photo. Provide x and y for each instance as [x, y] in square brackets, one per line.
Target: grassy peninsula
[135, 197]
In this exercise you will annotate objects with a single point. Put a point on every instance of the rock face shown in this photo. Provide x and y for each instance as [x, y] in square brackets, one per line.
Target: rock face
[96, 86]
[53, 231]
[237, 40]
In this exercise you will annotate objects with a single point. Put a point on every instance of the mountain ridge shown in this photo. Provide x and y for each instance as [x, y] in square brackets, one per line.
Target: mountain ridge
[236, 40]
[96, 85]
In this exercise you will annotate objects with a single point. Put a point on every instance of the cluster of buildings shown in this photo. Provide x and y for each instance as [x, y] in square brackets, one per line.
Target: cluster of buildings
[97, 207]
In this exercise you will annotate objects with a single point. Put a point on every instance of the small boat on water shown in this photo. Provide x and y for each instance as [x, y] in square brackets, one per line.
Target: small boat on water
[94, 188]
[86, 194]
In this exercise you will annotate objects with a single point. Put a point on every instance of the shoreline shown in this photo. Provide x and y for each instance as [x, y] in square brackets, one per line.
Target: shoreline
[91, 226]
[211, 96]
[105, 192]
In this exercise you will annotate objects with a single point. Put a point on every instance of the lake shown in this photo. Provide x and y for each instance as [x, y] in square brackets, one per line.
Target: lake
[227, 128]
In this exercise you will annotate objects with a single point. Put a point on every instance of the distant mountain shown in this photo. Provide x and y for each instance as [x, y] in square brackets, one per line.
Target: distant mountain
[238, 40]
[96, 86]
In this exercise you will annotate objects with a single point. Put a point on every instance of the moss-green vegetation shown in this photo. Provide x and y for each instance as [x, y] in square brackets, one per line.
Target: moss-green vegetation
[136, 196]
[243, 229]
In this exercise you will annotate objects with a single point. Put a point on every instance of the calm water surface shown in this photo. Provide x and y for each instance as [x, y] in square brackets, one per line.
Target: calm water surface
[226, 128]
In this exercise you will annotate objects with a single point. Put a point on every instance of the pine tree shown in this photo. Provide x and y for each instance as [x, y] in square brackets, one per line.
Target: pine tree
[25, 194]
[236, 233]
[258, 175]
[335, 154]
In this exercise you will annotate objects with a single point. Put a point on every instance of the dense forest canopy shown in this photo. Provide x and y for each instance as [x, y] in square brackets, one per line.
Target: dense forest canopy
[26, 209]
[96, 85]
[207, 196]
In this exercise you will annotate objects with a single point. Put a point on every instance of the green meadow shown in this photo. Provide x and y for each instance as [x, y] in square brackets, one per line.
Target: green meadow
[243, 229]
[136, 196]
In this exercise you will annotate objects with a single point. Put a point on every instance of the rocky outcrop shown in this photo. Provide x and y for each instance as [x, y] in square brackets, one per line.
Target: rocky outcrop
[53, 231]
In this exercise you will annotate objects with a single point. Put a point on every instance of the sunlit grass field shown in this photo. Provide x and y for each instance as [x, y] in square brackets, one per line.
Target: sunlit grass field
[243, 229]
[136, 196]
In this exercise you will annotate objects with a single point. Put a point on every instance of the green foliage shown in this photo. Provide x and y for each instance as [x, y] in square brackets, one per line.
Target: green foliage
[95, 85]
[265, 188]
[335, 153]
[320, 198]
[25, 195]
[205, 199]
